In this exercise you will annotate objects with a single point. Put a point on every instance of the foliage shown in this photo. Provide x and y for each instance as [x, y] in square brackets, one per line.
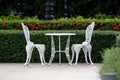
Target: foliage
[11, 16]
[103, 16]
[117, 41]
[111, 61]
[86, 8]
[23, 7]
[12, 44]
[73, 23]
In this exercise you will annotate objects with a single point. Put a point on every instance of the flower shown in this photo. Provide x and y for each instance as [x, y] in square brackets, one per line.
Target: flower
[101, 24]
[4, 23]
[116, 28]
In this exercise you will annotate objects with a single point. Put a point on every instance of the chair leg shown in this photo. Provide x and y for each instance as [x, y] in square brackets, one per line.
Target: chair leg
[43, 57]
[77, 55]
[72, 49]
[41, 50]
[67, 55]
[29, 53]
[89, 54]
[31, 49]
[85, 54]
[76, 49]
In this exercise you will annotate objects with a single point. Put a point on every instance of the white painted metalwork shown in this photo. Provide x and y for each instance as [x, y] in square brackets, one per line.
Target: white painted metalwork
[66, 51]
[86, 46]
[30, 45]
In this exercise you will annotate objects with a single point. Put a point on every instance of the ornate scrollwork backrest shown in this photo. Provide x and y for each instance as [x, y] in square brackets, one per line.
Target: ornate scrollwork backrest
[26, 33]
[89, 31]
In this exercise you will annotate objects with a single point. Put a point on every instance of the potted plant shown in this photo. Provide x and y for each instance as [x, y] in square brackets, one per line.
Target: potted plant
[111, 63]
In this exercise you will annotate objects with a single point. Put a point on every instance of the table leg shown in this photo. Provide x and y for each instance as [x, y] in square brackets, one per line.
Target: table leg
[52, 50]
[59, 50]
[67, 49]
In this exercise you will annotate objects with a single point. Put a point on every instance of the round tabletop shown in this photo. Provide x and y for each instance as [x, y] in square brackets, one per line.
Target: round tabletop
[59, 34]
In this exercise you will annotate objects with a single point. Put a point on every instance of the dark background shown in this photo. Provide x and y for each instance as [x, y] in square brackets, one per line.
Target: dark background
[86, 8]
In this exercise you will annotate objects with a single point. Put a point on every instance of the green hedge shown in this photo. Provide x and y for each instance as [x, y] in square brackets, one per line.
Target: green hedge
[12, 44]
[77, 23]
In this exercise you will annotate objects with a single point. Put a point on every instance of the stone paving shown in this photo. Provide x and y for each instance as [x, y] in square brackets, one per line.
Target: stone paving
[56, 71]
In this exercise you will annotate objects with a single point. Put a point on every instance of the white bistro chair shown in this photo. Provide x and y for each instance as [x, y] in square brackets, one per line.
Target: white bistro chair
[86, 46]
[30, 45]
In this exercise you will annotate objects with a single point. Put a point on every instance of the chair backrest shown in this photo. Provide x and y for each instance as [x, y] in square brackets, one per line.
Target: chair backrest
[89, 31]
[26, 33]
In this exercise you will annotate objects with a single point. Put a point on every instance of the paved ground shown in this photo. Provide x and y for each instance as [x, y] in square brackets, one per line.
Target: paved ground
[35, 71]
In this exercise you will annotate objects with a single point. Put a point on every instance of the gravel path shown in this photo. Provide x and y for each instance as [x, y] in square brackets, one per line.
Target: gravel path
[35, 71]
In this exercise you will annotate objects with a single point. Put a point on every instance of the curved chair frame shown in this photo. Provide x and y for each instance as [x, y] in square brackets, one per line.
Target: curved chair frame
[30, 45]
[86, 46]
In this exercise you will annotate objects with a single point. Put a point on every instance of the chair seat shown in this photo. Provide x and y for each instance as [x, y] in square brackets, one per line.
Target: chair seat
[39, 44]
[77, 46]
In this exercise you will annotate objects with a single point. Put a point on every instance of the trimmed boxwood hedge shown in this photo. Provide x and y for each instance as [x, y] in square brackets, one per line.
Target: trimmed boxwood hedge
[12, 44]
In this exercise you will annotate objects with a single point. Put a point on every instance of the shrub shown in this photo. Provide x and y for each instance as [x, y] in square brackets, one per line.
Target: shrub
[12, 44]
[111, 61]
[72, 23]
[11, 16]
[117, 44]
[103, 16]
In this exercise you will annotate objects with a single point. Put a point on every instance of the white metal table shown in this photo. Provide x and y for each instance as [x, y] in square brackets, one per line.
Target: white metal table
[53, 51]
